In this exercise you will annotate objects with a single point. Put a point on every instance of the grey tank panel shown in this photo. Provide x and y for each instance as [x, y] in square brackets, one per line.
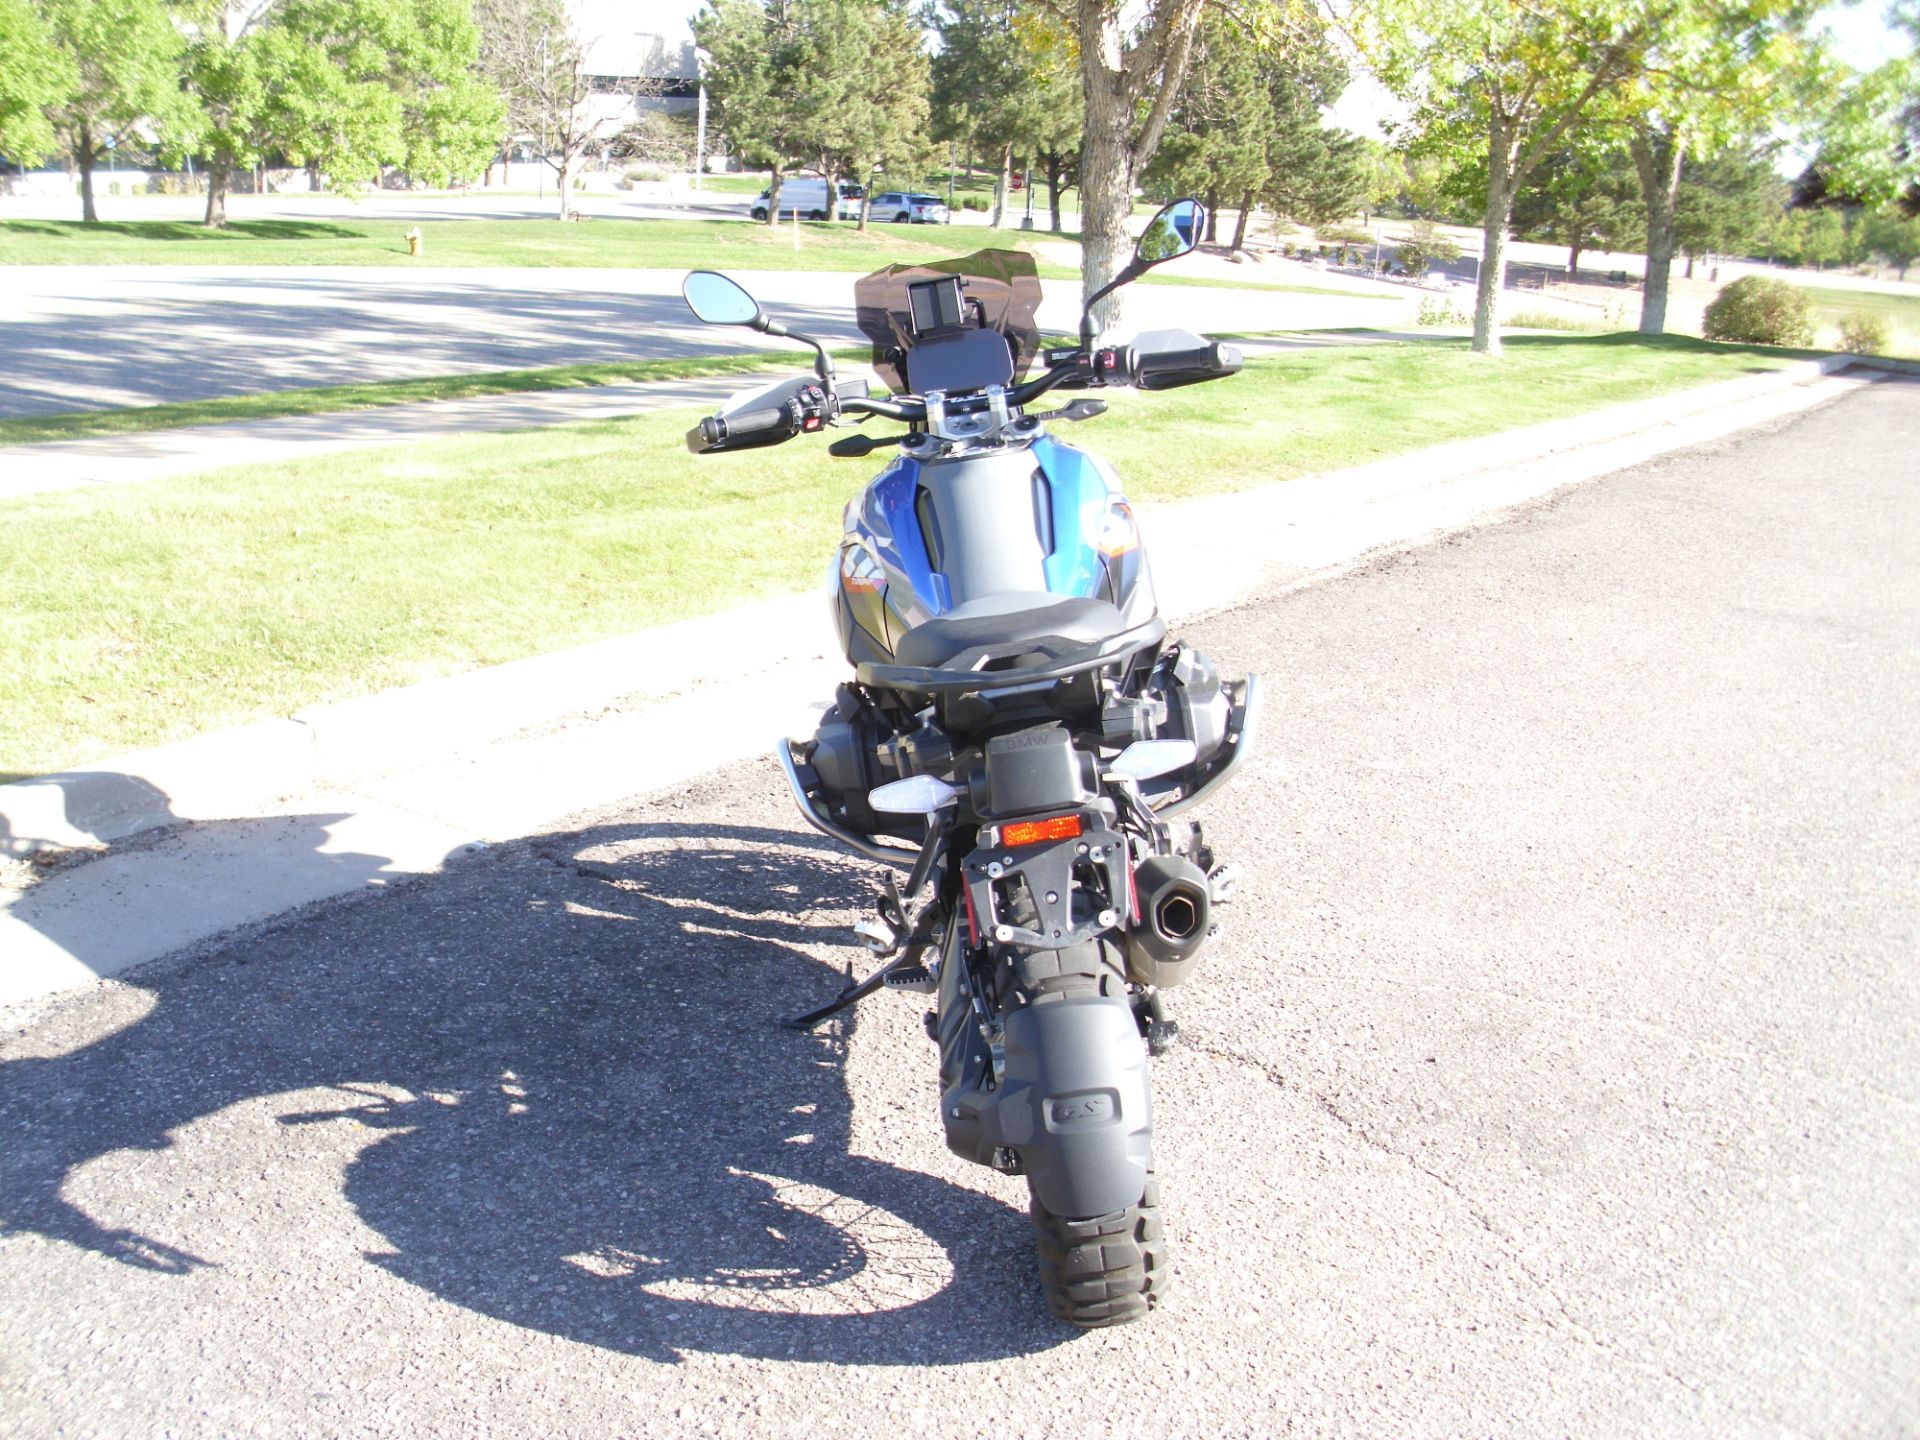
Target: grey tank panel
[984, 523]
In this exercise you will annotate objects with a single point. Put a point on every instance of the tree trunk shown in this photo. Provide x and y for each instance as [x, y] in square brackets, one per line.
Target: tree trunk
[1573, 257]
[1106, 162]
[1053, 188]
[773, 196]
[1213, 216]
[83, 154]
[1000, 184]
[1501, 158]
[566, 184]
[1689, 265]
[1240, 228]
[1657, 155]
[219, 177]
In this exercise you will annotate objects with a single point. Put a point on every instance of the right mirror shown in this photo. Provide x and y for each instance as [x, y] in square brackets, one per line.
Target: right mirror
[718, 300]
[1171, 233]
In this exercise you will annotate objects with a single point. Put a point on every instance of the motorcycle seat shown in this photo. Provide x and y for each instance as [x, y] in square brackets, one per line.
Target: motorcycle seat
[1002, 622]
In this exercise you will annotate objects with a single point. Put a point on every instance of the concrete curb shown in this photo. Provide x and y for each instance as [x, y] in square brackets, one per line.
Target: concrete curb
[237, 771]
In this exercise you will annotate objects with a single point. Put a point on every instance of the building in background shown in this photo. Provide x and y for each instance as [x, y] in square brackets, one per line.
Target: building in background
[640, 55]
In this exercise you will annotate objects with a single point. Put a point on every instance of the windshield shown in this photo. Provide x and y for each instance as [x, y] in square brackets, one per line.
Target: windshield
[925, 321]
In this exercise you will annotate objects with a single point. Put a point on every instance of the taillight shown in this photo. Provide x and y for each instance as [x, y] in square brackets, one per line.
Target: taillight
[1033, 832]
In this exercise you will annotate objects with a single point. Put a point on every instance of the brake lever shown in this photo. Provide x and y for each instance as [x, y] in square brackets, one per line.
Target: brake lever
[1081, 409]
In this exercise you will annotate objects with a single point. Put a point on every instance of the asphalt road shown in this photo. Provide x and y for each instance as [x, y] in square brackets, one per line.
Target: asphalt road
[1556, 1074]
[88, 337]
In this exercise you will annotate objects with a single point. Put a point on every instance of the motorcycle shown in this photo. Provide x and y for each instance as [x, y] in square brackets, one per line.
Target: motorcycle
[1020, 735]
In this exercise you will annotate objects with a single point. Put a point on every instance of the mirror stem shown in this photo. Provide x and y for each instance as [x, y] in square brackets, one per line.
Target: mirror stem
[1132, 270]
[822, 361]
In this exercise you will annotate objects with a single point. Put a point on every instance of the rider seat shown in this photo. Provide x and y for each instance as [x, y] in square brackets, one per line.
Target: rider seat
[1002, 623]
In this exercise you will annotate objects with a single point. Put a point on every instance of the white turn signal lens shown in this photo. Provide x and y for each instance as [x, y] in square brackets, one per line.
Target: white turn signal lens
[915, 795]
[1145, 759]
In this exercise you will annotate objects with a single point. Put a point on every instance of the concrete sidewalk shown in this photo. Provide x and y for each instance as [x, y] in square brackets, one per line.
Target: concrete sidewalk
[239, 827]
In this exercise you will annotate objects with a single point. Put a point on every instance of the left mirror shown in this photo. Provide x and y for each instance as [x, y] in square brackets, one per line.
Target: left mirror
[1171, 233]
[718, 300]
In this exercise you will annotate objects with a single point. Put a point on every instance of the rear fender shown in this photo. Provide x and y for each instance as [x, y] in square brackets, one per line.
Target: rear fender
[1073, 1103]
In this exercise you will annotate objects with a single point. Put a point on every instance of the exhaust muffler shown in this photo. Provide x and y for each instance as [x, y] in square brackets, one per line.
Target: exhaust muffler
[1175, 918]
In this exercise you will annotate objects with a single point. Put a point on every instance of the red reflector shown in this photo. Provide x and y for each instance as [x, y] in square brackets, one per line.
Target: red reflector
[1032, 832]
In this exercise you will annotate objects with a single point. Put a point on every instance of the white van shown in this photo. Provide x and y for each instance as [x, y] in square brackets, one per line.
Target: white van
[808, 195]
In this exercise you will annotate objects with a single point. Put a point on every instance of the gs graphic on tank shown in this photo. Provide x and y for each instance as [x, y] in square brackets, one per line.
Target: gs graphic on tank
[1019, 734]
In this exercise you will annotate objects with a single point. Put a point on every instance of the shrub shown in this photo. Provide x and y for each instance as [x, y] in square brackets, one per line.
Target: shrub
[1863, 333]
[1554, 320]
[1440, 310]
[1755, 310]
[651, 174]
[1345, 235]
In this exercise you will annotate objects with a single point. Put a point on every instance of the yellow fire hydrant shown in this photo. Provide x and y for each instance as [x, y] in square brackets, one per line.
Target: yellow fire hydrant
[416, 243]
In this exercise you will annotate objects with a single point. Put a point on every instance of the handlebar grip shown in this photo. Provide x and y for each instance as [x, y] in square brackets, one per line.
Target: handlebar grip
[721, 428]
[1164, 369]
[743, 431]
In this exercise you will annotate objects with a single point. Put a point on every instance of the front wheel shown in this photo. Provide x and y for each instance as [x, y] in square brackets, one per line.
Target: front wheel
[1107, 1270]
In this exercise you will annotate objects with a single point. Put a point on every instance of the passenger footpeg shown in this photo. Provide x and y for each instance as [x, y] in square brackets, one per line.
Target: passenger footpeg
[1222, 880]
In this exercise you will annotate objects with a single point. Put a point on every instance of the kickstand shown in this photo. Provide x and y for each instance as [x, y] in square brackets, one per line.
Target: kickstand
[856, 991]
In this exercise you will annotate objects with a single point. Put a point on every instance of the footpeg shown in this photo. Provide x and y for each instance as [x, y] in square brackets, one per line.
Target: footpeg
[1222, 881]
[878, 936]
[910, 977]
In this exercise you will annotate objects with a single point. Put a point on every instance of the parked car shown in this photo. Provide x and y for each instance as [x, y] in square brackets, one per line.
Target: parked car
[906, 207]
[808, 195]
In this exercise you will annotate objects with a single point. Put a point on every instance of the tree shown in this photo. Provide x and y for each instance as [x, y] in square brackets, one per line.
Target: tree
[985, 88]
[1869, 140]
[124, 56]
[759, 83]
[1383, 177]
[1582, 195]
[1314, 174]
[1222, 126]
[877, 117]
[1712, 75]
[1895, 238]
[1131, 69]
[1504, 83]
[532, 53]
[1725, 202]
[34, 78]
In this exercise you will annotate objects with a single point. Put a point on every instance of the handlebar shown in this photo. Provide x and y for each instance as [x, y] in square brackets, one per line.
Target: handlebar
[1112, 365]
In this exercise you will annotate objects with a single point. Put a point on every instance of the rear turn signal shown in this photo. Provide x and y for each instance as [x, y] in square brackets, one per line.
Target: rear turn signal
[1032, 832]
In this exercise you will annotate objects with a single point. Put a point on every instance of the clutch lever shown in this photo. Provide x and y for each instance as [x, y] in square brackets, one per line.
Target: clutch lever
[852, 447]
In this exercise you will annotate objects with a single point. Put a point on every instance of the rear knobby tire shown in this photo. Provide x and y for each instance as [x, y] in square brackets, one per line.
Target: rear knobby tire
[1107, 1270]
[1102, 1269]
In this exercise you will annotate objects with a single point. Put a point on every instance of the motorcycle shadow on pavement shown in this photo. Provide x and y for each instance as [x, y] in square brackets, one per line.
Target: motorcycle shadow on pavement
[582, 1114]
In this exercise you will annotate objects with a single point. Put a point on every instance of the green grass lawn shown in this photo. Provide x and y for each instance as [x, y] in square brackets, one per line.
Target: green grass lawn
[149, 612]
[373, 394]
[1901, 312]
